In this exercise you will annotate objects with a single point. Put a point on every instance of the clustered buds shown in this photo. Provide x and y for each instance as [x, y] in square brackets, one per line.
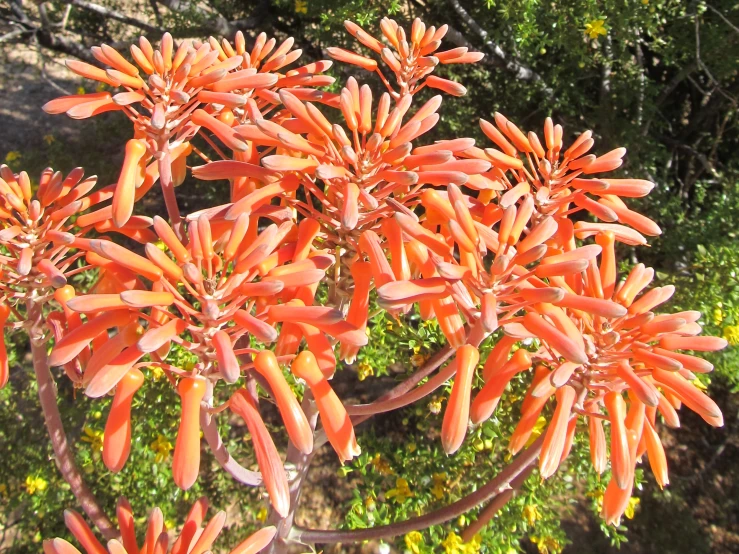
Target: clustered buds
[194, 537]
[480, 240]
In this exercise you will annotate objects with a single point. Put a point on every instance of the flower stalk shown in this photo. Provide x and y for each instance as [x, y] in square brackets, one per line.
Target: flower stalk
[54, 426]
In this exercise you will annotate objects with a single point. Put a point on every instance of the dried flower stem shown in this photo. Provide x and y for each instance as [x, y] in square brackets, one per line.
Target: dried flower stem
[53, 420]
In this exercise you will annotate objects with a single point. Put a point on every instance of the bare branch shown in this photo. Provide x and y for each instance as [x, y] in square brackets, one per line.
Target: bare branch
[723, 18]
[508, 62]
[112, 14]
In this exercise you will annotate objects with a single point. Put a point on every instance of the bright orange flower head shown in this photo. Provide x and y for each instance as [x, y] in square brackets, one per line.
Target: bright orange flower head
[194, 537]
[162, 88]
[204, 296]
[352, 171]
[206, 289]
[35, 228]
[412, 58]
[562, 181]
[471, 259]
[599, 340]
[266, 58]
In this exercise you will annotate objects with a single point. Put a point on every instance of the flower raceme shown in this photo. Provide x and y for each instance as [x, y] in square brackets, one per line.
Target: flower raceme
[353, 174]
[600, 340]
[180, 90]
[562, 182]
[364, 199]
[37, 232]
[34, 227]
[410, 57]
[195, 293]
[166, 84]
[193, 538]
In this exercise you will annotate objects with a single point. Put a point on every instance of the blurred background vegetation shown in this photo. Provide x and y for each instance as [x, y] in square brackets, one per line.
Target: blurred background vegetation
[656, 76]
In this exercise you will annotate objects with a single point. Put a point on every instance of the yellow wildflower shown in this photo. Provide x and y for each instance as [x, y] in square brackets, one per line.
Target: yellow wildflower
[364, 370]
[412, 447]
[413, 541]
[81, 90]
[101, 87]
[731, 334]
[454, 544]
[12, 156]
[301, 6]
[631, 508]
[547, 545]
[262, 514]
[156, 372]
[718, 314]
[369, 504]
[595, 28]
[49, 139]
[381, 466]
[435, 406]
[162, 447]
[34, 484]
[439, 489]
[401, 492]
[94, 437]
[538, 429]
[531, 514]
[598, 497]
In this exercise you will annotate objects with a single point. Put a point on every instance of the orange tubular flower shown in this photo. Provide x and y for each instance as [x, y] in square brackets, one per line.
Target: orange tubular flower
[612, 342]
[268, 458]
[192, 539]
[336, 422]
[35, 231]
[186, 459]
[117, 437]
[4, 369]
[456, 416]
[412, 59]
[560, 182]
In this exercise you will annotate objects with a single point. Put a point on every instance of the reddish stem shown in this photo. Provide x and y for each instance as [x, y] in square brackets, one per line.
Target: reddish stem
[493, 488]
[301, 463]
[52, 418]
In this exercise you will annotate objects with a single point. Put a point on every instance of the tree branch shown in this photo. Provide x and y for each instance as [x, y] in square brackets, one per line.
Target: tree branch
[113, 14]
[723, 18]
[508, 62]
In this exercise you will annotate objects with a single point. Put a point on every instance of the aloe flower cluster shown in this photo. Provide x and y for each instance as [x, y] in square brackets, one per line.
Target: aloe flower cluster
[343, 193]
[194, 537]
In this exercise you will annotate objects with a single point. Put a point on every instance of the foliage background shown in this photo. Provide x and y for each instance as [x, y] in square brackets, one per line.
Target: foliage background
[657, 76]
